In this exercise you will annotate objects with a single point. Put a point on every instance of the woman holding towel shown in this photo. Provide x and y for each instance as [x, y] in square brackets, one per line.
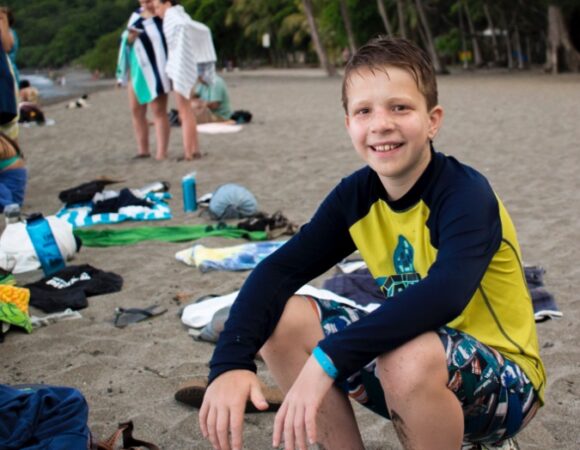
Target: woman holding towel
[142, 61]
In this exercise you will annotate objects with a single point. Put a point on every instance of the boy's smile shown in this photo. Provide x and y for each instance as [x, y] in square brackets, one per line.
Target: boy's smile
[390, 127]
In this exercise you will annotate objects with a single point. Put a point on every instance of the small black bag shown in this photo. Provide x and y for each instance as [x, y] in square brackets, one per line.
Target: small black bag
[241, 116]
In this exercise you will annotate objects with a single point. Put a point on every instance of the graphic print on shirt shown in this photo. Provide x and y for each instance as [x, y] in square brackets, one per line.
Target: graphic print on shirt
[403, 261]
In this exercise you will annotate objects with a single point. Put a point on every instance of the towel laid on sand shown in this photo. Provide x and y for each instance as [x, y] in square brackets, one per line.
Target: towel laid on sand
[197, 315]
[218, 128]
[128, 236]
[80, 215]
[237, 257]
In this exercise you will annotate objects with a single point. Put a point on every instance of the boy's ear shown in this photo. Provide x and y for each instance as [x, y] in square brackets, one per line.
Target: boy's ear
[435, 121]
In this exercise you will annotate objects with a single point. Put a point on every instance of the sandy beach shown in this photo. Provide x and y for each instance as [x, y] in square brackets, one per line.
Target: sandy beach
[520, 130]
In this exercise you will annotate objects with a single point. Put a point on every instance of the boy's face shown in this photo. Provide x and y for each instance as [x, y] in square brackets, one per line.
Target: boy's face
[390, 126]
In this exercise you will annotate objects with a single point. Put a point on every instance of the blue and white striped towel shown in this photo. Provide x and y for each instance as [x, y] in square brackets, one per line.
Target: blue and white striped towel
[79, 215]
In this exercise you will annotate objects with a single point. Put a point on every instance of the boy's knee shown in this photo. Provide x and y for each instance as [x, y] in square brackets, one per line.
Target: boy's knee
[297, 324]
[416, 365]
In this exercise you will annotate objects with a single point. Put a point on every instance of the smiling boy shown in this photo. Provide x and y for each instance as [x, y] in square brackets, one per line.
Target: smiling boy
[451, 355]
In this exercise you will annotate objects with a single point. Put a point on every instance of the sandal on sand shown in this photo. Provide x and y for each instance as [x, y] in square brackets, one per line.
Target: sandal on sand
[191, 393]
[129, 442]
[126, 316]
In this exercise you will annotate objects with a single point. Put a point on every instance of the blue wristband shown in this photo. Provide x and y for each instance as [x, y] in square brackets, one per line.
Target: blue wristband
[325, 362]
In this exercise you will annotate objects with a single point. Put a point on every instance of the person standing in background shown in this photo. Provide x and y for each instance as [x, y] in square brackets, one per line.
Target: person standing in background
[8, 86]
[191, 55]
[15, 45]
[142, 60]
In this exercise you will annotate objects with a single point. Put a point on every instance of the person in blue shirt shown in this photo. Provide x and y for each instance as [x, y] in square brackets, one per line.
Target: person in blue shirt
[211, 101]
[451, 355]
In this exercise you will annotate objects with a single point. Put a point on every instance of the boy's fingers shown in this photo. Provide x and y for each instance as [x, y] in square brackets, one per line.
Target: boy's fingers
[211, 426]
[203, 419]
[236, 427]
[310, 420]
[279, 425]
[289, 429]
[299, 432]
[223, 430]
[257, 398]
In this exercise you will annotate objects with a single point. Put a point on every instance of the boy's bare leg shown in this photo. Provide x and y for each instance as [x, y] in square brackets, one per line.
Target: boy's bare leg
[188, 128]
[286, 352]
[161, 122]
[425, 413]
[139, 118]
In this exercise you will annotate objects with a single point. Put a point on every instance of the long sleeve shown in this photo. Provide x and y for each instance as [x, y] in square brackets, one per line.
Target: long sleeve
[319, 245]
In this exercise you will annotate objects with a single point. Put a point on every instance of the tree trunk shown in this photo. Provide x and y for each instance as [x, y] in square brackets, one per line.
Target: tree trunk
[348, 26]
[558, 37]
[519, 48]
[437, 64]
[320, 50]
[401, 15]
[491, 26]
[477, 59]
[463, 40]
[508, 42]
[383, 13]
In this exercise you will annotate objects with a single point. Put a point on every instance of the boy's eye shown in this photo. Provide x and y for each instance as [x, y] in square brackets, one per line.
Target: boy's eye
[400, 108]
[361, 111]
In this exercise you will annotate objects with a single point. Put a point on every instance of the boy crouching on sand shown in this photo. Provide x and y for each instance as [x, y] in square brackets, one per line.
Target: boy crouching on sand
[451, 355]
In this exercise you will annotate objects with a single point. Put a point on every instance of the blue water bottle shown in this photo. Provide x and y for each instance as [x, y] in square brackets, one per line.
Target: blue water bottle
[44, 244]
[189, 192]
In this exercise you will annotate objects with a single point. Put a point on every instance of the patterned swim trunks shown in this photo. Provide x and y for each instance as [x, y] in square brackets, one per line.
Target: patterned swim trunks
[497, 398]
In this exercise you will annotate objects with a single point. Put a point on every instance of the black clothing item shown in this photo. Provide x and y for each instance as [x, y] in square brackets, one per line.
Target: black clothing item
[83, 192]
[70, 287]
[358, 285]
[112, 205]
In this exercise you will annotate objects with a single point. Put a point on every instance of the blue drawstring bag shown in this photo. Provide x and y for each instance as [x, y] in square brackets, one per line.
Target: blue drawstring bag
[232, 201]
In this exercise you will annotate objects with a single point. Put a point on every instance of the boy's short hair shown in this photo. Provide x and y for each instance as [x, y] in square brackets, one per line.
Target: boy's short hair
[397, 52]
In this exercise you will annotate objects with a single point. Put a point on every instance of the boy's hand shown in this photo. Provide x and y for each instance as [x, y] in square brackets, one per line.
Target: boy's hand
[296, 418]
[222, 412]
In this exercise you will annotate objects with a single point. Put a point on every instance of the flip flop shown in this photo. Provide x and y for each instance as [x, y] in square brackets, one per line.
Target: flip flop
[125, 429]
[127, 316]
[191, 393]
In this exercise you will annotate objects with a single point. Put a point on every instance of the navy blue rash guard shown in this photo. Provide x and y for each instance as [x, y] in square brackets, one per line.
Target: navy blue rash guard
[443, 254]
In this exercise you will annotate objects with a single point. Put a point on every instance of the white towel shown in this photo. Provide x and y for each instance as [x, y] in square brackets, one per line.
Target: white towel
[189, 44]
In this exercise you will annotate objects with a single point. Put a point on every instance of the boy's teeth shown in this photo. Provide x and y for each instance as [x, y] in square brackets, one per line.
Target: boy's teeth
[385, 148]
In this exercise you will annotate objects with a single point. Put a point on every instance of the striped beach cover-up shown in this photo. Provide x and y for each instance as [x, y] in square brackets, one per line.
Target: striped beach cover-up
[191, 50]
[145, 60]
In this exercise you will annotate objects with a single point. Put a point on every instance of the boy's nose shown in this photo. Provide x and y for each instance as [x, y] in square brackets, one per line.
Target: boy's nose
[382, 121]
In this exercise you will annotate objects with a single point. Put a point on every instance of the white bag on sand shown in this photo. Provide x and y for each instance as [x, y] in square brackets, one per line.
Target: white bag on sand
[17, 253]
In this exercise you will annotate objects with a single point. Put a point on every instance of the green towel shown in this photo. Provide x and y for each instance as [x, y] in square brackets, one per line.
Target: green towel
[126, 236]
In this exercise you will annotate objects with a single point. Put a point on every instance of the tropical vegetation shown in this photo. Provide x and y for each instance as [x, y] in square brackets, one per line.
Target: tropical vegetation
[285, 33]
